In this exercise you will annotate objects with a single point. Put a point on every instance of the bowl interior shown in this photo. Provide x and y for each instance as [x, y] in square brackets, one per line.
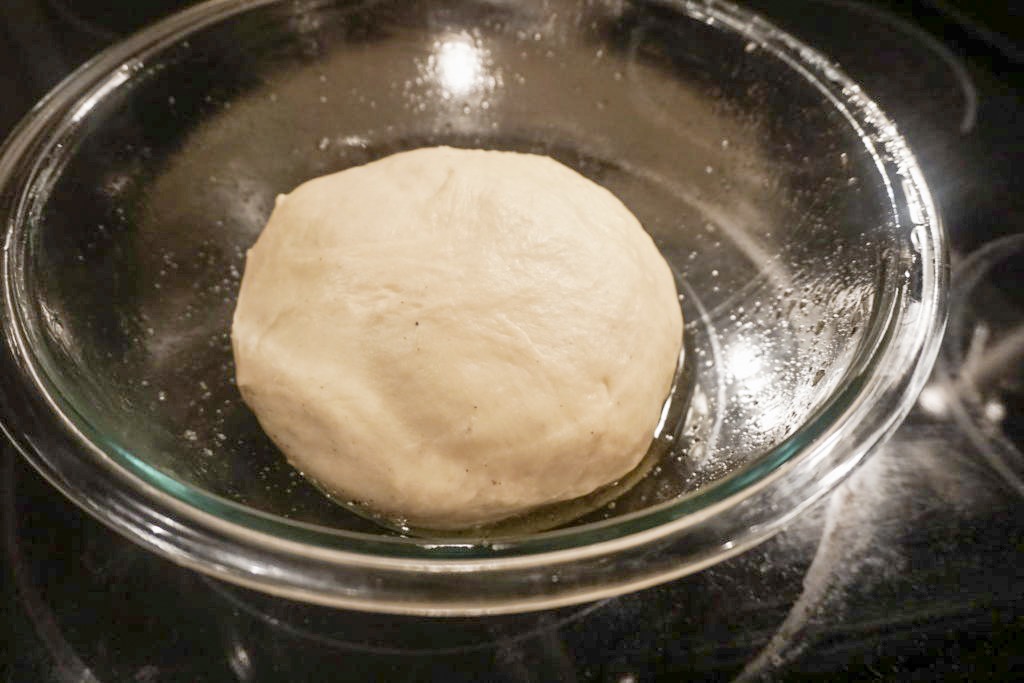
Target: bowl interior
[757, 187]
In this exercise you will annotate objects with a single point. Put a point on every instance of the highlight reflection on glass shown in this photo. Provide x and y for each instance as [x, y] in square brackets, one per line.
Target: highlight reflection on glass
[746, 365]
[459, 66]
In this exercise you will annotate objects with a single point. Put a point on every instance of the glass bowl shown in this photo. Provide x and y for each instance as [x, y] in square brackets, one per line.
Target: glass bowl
[811, 263]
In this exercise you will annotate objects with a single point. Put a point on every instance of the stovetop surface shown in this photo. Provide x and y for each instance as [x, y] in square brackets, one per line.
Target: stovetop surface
[910, 570]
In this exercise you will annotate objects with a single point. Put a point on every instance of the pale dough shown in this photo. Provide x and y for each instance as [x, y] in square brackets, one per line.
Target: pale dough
[452, 336]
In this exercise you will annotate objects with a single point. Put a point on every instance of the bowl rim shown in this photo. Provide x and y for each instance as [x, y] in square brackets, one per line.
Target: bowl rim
[232, 541]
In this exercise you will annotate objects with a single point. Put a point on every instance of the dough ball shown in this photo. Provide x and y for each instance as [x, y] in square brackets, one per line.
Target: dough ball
[452, 337]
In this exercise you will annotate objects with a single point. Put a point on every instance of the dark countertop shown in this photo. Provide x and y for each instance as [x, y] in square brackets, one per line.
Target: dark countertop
[911, 571]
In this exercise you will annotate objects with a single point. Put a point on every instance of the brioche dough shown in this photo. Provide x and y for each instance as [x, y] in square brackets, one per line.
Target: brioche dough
[451, 336]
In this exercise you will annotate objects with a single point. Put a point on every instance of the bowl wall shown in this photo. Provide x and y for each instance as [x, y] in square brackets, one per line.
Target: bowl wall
[806, 247]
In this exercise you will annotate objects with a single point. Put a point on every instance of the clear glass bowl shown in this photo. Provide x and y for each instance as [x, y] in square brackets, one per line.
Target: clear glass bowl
[811, 260]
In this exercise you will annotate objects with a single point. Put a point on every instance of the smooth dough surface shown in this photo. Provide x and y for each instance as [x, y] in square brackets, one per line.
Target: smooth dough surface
[455, 336]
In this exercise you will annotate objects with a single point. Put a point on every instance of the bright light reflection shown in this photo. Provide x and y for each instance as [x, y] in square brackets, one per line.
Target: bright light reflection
[458, 65]
[745, 364]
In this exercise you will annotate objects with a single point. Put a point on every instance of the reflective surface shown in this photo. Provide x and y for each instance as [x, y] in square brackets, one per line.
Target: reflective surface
[921, 582]
[920, 578]
[806, 243]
